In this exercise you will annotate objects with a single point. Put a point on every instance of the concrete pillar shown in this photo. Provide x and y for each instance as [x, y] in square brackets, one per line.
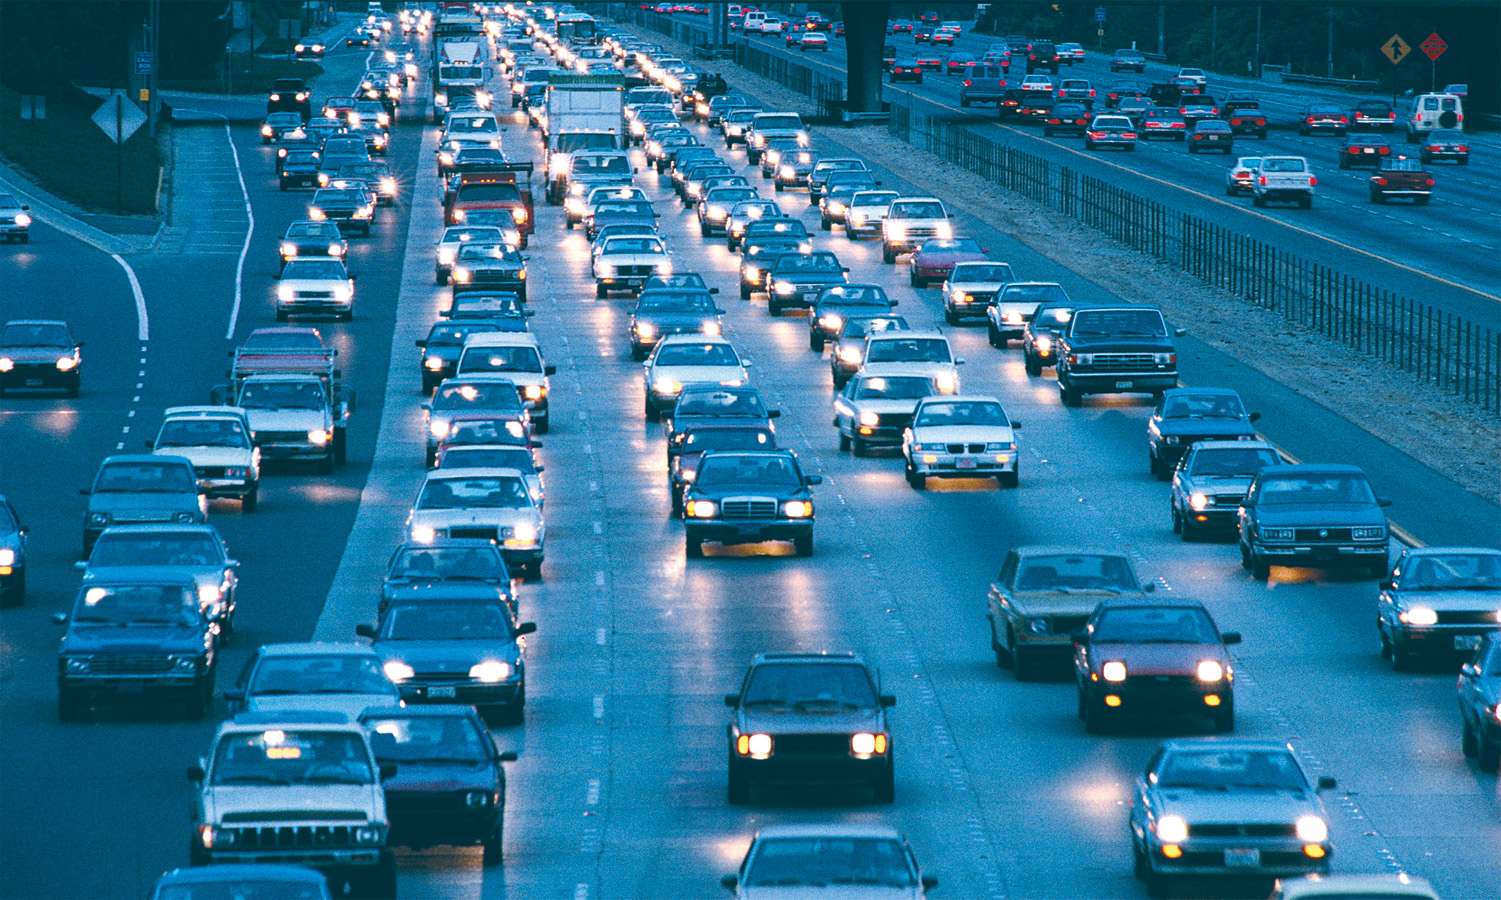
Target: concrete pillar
[864, 35]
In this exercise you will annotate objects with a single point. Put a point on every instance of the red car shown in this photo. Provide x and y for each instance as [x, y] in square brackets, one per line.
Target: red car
[936, 258]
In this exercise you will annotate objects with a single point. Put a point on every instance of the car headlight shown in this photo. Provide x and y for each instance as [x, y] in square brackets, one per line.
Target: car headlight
[1113, 671]
[209, 594]
[717, 212]
[896, 231]
[751, 273]
[7, 556]
[424, 534]
[998, 446]
[947, 382]
[398, 671]
[787, 172]
[1209, 670]
[433, 364]
[756, 746]
[534, 392]
[78, 663]
[316, 214]
[66, 363]
[319, 436]
[266, 131]
[1164, 359]
[667, 386]
[1311, 830]
[23, 220]
[798, 509]
[785, 287]
[184, 662]
[646, 330]
[368, 835]
[343, 292]
[336, 250]
[712, 327]
[445, 158]
[1421, 616]
[1368, 533]
[460, 275]
[1172, 829]
[701, 509]
[1199, 500]
[857, 219]
[945, 230]
[1277, 534]
[1044, 344]
[802, 139]
[99, 518]
[836, 208]
[438, 428]
[474, 799]
[850, 355]
[441, 99]
[865, 743]
[490, 671]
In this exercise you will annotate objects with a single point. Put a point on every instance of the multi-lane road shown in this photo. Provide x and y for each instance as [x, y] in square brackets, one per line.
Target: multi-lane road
[619, 791]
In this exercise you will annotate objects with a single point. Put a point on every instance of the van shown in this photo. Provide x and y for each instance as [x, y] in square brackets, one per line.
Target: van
[1425, 112]
[753, 21]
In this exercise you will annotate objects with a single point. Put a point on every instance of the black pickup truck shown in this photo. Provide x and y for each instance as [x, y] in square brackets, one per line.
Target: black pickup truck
[1116, 350]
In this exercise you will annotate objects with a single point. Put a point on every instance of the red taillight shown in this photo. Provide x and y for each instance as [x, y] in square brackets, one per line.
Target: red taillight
[1081, 121]
[1434, 148]
[1312, 181]
[1243, 176]
[1198, 137]
[1214, 110]
[967, 83]
[1354, 150]
[1384, 151]
[1462, 148]
[1381, 181]
[1262, 180]
[1428, 182]
[1344, 120]
[1032, 56]
[1094, 135]
[1182, 110]
[1130, 135]
[1055, 121]
[1178, 125]
[1091, 92]
[1235, 121]
[1309, 120]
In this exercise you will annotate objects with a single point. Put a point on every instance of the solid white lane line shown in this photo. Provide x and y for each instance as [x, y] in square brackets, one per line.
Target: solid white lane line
[143, 321]
[234, 312]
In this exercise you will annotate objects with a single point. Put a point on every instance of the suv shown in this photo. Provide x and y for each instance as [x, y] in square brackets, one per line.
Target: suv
[1425, 112]
[766, 126]
[911, 220]
[295, 787]
[1116, 349]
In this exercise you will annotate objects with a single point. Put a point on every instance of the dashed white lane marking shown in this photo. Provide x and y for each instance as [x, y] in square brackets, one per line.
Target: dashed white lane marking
[599, 707]
[600, 636]
[599, 528]
[591, 796]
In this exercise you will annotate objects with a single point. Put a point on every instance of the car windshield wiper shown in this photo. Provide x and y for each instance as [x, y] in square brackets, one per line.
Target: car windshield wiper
[333, 779]
[801, 705]
[782, 704]
[251, 779]
[462, 760]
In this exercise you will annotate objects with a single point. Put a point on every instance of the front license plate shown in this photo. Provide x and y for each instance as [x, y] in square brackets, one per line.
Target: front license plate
[1123, 385]
[447, 692]
[966, 463]
[33, 382]
[1467, 642]
[1247, 858]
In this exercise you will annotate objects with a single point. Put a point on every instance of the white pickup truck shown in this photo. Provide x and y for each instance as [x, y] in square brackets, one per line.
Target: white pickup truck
[1283, 178]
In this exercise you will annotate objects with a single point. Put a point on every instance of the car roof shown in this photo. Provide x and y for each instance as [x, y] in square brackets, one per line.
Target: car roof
[233, 412]
[481, 377]
[913, 334]
[842, 829]
[1212, 391]
[301, 648]
[502, 339]
[694, 339]
[806, 657]
[1064, 550]
[139, 458]
[487, 472]
[418, 711]
[447, 543]
[1313, 469]
[1233, 743]
[165, 528]
[299, 716]
[959, 398]
[1439, 551]
[1233, 445]
[1158, 601]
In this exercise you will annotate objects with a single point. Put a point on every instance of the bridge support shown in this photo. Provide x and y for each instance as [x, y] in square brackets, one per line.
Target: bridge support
[864, 36]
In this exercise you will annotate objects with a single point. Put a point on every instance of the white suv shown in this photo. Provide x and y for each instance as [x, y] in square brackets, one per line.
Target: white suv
[1426, 112]
[922, 353]
[911, 220]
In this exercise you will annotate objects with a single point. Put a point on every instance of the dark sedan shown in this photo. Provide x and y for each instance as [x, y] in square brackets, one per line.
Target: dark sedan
[1364, 150]
[1211, 134]
[1150, 656]
[489, 268]
[415, 570]
[439, 351]
[1313, 515]
[936, 258]
[449, 786]
[1323, 119]
[1245, 116]
[705, 437]
[349, 209]
[1066, 118]
[40, 353]
[798, 279]
[747, 497]
[810, 717]
[312, 239]
[1128, 61]
[13, 540]
[836, 303]
[1040, 334]
[1185, 416]
[667, 311]
[715, 404]
[1438, 601]
[1479, 692]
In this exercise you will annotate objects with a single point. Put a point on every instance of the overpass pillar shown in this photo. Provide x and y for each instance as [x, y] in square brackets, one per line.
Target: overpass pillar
[864, 36]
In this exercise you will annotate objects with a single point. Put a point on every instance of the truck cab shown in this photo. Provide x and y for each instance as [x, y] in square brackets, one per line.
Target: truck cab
[1116, 350]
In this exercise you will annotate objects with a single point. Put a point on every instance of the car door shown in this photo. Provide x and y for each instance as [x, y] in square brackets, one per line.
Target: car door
[999, 604]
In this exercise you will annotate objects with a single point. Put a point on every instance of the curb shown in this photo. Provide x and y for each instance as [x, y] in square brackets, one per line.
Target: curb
[60, 214]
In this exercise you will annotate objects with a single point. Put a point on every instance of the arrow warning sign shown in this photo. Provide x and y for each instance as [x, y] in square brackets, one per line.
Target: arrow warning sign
[1395, 49]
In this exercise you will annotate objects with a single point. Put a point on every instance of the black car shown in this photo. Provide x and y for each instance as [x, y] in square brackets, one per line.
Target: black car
[1364, 150]
[1446, 143]
[278, 125]
[489, 268]
[746, 497]
[1480, 704]
[1116, 350]
[810, 717]
[1211, 134]
[449, 786]
[905, 68]
[704, 437]
[1040, 334]
[1210, 482]
[704, 404]
[307, 239]
[1066, 118]
[134, 637]
[453, 650]
[376, 173]
[504, 308]
[1374, 114]
[349, 209]
[799, 279]
[888, 57]
[439, 351]
[416, 571]
[298, 168]
[13, 535]
[1313, 515]
[758, 257]
[290, 95]
[1043, 55]
[834, 304]
[1128, 61]
[1245, 115]
[40, 353]
[1125, 90]
[663, 311]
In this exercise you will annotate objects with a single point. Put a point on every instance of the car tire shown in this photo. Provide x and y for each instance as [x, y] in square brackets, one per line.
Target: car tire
[772, 306]
[1002, 655]
[543, 425]
[251, 500]
[1009, 479]
[1223, 721]
[601, 292]
[916, 280]
[73, 386]
[341, 446]
[1422, 201]
[703, 230]
[1023, 665]
[693, 546]
[1159, 471]
[1032, 364]
[1402, 658]
[844, 442]
[887, 255]
[15, 595]
[859, 447]
[816, 341]
[326, 464]
[883, 786]
[281, 315]
[440, 279]
[916, 480]
[1487, 754]
[1257, 200]
[494, 845]
[745, 291]
[738, 787]
[1093, 716]
[803, 546]
[825, 224]
[1069, 396]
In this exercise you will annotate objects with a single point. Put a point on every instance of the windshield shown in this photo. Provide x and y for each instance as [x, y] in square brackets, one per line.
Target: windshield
[448, 738]
[719, 403]
[703, 439]
[473, 251]
[316, 269]
[569, 142]
[472, 125]
[784, 228]
[1453, 572]
[282, 395]
[501, 359]
[116, 548]
[854, 295]
[961, 412]
[247, 887]
[1203, 406]
[697, 355]
[825, 263]
[35, 334]
[601, 165]
[675, 302]
[276, 756]
[320, 673]
[202, 433]
[1119, 323]
[429, 621]
[951, 245]
[165, 477]
[1233, 461]
[1075, 572]
[908, 209]
[500, 218]
[802, 686]
[1316, 489]
[326, 230]
[1033, 294]
[636, 208]
[455, 73]
[279, 339]
[762, 470]
[903, 388]
[772, 122]
[1155, 625]
[1053, 316]
[981, 272]
[633, 245]
[449, 564]
[157, 604]
[486, 234]
[1226, 769]
[339, 195]
[453, 335]
[909, 350]
[476, 394]
[859, 327]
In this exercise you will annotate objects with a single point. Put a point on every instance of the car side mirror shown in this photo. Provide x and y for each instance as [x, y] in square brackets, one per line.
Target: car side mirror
[1327, 783]
[365, 631]
[732, 700]
[421, 343]
[958, 360]
[895, 303]
[387, 771]
[888, 700]
[1383, 501]
[1254, 417]
[196, 774]
[1388, 585]
[549, 370]
[714, 291]
[929, 882]
[812, 479]
[774, 414]
[81, 565]
[526, 628]
[729, 882]
[507, 756]
[1149, 588]
[26, 206]
[1230, 637]
[60, 618]
[1180, 332]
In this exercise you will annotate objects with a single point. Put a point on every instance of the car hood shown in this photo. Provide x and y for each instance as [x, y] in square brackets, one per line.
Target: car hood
[447, 656]
[209, 456]
[838, 891]
[1047, 603]
[1158, 659]
[964, 433]
[920, 369]
[285, 419]
[981, 287]
[144, 503]
[700, 374]
[1218, 484]
[819, 278]
[949, 259]
[884, 406]
[834, 721]
[671, 319]
[1241, 806]
[35, 354]
[1310, 514]
[602, 219]
[143, 638]
[350, 705]
[403, 589]
[292, 804]
[630, 259]
[313, 284]
[1468, 601]
[1132, 344]
[201, 575]
[1206, 427]
[433, 777]
[443, 518]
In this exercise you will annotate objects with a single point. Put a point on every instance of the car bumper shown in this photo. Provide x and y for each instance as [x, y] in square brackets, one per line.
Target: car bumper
[801, 297]
[1438, 639]
[161, 682]
[339, 865]
[623, 282]
[226, 487]
[1114, 141]
[1153, 696]
[10, 228]
[879, 435]
[964, 465]
[1119, 383]
[466, 692]
[314, 304]
[299, 178]
[1320, 554]
[1446, 154]
[38, 375]
[295, 451]
[809, 768]
[516, 557]
[749, 532]
[1279, 859]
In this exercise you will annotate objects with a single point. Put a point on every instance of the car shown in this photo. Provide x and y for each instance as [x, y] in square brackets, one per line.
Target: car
[708, 404]
[680, 360]
[455, 237]
[291, 788]
[1479, 695]
[835, 303]
[270, 879]
[13, 541]
[447, 569]
[1116, 349]
[743, 214]
[1211, 134]
[875, 410]
[326, 676]
[773, 153]
[1323, 118]
[1078, 90]
[1283, 178]
[959, 63]
[307, 239]
[1445, 143]
[1071, 53]
[140, 635]
[761, 252]
[705, 437]
[806, 858]
[664, 311]
[1363, 149]
[338, 108]
[866, 213]
[1401, 178]
[826, 167]
[961, 436]
[921, 34]
[1066, 118]
[315, 286]
[278, 126]
[469, 446]
[1377, 115]
[1043, 594]
[624, 263]
[935, 258]
[1438, 601]
[450, 650]
[736, 125]
[767, 126]
[813, 40]
[1197, 106]
[1184, 416]
[1424, 113]
[135, 489]
[489, 268]
[360, 184]
[798, 279]
[894, 351]
[909, 221]
[15, 219]
[1163, 121]
[1211, 480]
[1151, 657]
[592, 169]
[216, 440]
[713, 208]
[1245, 115]
[1313, 515]
[749, 496]
[1128, 60]
[449, 786]
[1400, 886]
[906, 68]
[289, 95]
[614, 211]
[1043, 55]
[1111, 131]
[438, 353]
[792, 167]
[482, 394]
[1239, 177]
[834, 201]
[298, 168]
[40, 353]
[1013, 305]
[985, 82]
[518, 357]
[809, 717]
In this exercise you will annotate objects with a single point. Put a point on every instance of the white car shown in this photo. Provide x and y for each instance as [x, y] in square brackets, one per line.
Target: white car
[829, 860]
[467, 129]
[971, 286]
[875, 410]
[517, 356]
[315, 286]
[216, 440]
[498, 456]
[456, 236]
[625, 263]
[1037, 83]
[493, 504]
[1197, 76]
[680, 360]
[1239, 177]
[866, 212]
[909, 222]
[964, 436]
[922, 353]
[314, 677]
[15, 219]
[580, 210]
[1014, 306]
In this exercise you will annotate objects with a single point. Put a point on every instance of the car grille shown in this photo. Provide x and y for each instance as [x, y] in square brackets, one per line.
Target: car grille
[1245, 830]
[130, 664]
[339, 213]
[1467, 617]
[749, 508]
[314, 295]
[494, 278]
[921, 231]
[293, 837]
[280, 437]
[811, 744]
[482, 533]
[1142, 361]
[985, 297]
[893, 420]
[633, 271]
[966, 448]
[1228, 499]
[123, 518]
[7, 220]
[1314, 535]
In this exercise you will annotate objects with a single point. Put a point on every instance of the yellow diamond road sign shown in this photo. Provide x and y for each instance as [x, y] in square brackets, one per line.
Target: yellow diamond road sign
[1395, 49]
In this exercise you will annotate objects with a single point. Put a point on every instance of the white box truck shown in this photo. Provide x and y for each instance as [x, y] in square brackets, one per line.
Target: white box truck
[584, 112]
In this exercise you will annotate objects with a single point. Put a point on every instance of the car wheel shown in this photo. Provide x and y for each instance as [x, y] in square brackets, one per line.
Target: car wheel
[1306, 203]
[1422, 200]
[1009, 479]
[1023, 665]
[1070, 396]
[494, 845]
[281, 315]
[1033, 364]
[745, 291]
[1093, 716]
[1260, 568]
[1487, 754]
[326, 464]
[738, 793]
[75, 385]
[992, 335]
[1257, 200]
[251, 500]
[803, 546]
[693, 546]
[915, 479]
[859, 447]
[542, 425]
[773, 307]
[1157, 468]
[949, 317]
[341, 446]
[887, 255]
[884, 785]
[1468, 745]
[15, 595]
[1402, 657]
[1224, 720]
[815, 341]
[601, 292]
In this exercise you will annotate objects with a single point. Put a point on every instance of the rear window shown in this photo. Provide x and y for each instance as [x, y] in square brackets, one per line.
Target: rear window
[765, 122]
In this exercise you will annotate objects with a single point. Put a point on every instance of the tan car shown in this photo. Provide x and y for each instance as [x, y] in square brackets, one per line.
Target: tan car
[1043, 594]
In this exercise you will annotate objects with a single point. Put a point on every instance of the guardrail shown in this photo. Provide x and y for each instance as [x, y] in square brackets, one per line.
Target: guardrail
[1348, 84]
[1436, 346]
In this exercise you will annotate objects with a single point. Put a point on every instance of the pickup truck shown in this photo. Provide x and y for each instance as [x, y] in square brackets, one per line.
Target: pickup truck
[506, 187]
[1401, 177]
[296, 404]
[1116, 350]
[1283, 178]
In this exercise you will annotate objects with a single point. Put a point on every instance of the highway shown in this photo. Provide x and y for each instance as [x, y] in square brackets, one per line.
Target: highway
[1446, 253]
[620, 787]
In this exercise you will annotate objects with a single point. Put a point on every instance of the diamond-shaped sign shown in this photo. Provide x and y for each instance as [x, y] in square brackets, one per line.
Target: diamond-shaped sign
[1395, 49]
[1434, 46]
[118, 118]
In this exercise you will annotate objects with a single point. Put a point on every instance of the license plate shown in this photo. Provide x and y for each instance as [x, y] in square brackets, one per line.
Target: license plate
[33, 382]
[966, 463]
[1368, 150]
[448, 692]
[1467, 642]
[1247, 858]
[1123, 385]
